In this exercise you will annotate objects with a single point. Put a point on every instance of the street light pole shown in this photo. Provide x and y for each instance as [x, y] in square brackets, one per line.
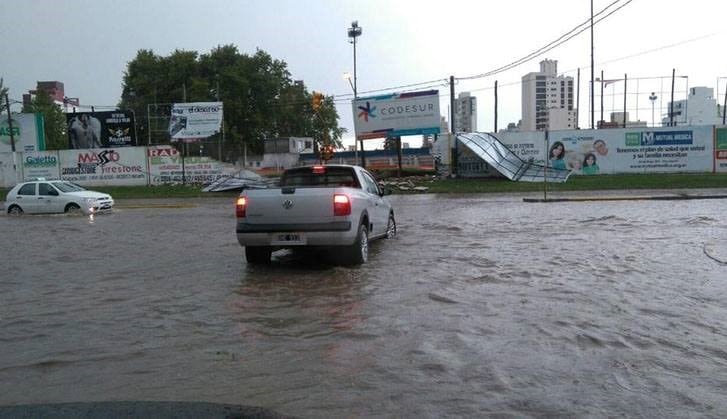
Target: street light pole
[354, 32]
[652, 98]
[348, 76]
[593, 86]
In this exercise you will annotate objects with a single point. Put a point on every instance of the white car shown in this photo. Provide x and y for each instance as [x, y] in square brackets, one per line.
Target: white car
[42, 197]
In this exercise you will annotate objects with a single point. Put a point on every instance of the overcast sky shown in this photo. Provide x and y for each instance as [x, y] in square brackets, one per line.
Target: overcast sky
[86, 44]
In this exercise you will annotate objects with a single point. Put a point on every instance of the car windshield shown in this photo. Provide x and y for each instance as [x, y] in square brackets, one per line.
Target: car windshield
[67, 187]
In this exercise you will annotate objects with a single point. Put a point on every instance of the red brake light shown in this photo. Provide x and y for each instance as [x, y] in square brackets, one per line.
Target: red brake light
[241, 207]
[341, 205]
[319, 170]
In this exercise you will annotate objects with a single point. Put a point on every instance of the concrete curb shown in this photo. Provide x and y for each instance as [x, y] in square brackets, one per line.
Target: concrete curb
[141, 409]
[625, 198]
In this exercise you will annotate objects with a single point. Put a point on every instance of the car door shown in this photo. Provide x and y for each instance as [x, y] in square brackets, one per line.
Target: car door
[378, 209]
[27, 198]
[49, 200]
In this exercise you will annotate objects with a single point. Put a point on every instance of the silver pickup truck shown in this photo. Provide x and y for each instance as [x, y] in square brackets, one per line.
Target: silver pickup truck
[332, 206]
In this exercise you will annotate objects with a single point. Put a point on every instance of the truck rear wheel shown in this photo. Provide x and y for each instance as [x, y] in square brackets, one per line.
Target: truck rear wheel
[258, 255]
[358, 252]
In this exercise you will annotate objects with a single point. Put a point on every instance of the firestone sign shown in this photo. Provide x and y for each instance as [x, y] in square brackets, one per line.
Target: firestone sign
[395, 115]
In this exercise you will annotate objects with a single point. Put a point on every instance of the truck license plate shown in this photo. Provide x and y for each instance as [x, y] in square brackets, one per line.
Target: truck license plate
[281, 239]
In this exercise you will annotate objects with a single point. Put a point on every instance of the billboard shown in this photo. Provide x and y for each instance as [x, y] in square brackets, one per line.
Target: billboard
[28, 132]
[395, 115]
[100, 129]
[110, 166]
[195, 120]
[623, 150]
[165, 166]
[41, 164]
[720, 150]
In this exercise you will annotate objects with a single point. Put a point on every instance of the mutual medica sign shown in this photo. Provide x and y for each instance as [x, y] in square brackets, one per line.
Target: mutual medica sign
[394, 115]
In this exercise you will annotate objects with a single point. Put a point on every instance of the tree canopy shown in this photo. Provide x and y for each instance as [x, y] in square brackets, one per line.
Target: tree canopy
[56, 136]
[260, 98]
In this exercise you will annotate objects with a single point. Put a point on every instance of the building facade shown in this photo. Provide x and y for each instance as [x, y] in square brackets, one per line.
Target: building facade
[700, 108]
[465, 115]
[547, 100]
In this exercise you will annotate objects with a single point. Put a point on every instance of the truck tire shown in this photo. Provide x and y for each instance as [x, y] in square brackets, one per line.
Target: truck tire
[258, 255]
[358, 252]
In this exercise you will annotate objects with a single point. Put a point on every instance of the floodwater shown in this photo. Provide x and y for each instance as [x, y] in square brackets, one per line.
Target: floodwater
[483, 305]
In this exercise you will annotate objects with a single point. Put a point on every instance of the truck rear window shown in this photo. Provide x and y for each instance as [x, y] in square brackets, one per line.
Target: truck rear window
[319, 177]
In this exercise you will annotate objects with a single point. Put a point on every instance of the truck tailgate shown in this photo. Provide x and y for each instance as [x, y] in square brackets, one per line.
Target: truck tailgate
[290, 206]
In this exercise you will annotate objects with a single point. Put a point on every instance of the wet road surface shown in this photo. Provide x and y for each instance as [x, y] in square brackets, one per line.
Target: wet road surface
[483, 305]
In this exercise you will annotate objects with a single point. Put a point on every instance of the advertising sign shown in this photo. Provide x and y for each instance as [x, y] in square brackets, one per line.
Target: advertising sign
[8, 176]
[720, 150]
[195, 120]
[395, 115]
[41, 164]
[608, 151]
[528, 145]
[28, 133]
[100, 129]
[165, 166]
[111, 166]
[668, 150]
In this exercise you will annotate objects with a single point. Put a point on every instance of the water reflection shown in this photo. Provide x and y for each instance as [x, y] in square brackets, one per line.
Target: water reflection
[480, 305]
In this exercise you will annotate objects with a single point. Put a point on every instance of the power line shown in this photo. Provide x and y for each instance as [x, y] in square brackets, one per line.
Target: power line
[552, 45]
[437, 82]
[559, 41]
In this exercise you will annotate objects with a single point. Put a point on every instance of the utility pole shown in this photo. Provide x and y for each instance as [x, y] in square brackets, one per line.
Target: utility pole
[601, 122]
[625, 79]
[453, 150]
[148, 123]
[354, 32]
[545, 166]
[578, 97]
[593, 86]
[10, 124]
[495, 106]
[222, 137]
[671, 105]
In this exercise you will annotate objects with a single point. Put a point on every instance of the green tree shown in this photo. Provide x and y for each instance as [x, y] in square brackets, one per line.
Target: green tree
[260, 99]
[56, 136]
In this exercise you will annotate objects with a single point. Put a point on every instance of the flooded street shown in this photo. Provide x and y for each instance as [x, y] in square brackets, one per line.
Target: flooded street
[482, 305]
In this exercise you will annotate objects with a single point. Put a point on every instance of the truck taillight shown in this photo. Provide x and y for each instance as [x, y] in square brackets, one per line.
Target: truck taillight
[341, 205]
[241, 207]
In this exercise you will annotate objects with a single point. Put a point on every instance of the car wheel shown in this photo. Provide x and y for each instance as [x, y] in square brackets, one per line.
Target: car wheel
[258, 255]
[72, 209]
[15, 210]
[391, 227]
[358, 252]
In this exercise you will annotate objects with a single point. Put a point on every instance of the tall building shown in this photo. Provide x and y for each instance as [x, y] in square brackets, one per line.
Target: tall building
[547, 99]
[700, 108]
[465, 114]
[54, 89]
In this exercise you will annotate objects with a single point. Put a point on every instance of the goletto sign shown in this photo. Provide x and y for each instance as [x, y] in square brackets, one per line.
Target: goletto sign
[395, 115]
